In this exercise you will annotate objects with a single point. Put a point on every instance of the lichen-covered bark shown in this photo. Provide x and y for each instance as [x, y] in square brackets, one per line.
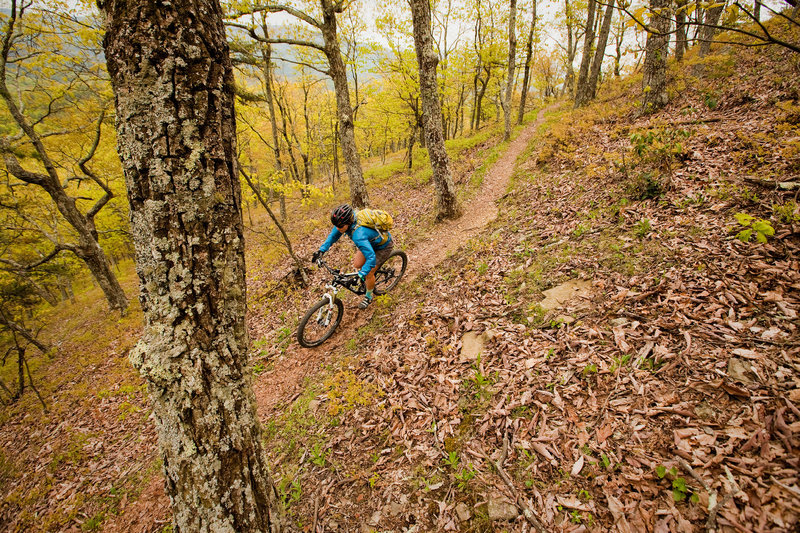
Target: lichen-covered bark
[427, 59]
[338, 73]
[654, 83]
[173, 87]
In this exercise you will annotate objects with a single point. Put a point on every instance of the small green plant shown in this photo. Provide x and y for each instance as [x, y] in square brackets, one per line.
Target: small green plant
[289, 492]
[643, 228]
[679, 489]
[620, 361]
[258, 369]
[605, 460]
[465, 476]
[452, 460]
[319, 455]
[591, 368]
[710, 99]
[373, 480]
[584, 495]
[94, 523]
[582, 229]
[759, 227]
[788, 212]
[482, 268]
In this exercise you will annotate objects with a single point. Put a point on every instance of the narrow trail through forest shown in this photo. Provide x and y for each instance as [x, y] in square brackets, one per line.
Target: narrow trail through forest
[284, 383]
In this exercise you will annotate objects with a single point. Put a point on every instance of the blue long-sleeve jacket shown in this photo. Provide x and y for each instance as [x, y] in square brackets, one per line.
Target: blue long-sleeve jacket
[366, 239]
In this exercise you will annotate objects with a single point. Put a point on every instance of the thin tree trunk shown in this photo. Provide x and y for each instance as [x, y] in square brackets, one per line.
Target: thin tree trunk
[654, 83]
[512, 55]
[600, 52]
[427, 59]
[582, 90]
[757, 10]
[177, 138]
[286, 241]
[526, 75]
[680, 29]
[266, 54]
[706, 32]
[358, 190]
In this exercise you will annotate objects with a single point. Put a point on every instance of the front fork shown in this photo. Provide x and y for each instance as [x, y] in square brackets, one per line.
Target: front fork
[325, 312]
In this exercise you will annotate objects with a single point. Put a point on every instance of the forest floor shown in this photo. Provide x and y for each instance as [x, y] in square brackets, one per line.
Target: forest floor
[663, 396]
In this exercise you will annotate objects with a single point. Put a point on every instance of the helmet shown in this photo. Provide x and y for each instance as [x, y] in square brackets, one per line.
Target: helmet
[342, 216]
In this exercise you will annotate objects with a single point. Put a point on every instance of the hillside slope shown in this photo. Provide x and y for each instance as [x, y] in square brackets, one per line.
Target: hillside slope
[606, 354]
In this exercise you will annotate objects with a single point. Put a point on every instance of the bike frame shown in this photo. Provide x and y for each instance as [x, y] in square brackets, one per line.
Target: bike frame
[332, 289]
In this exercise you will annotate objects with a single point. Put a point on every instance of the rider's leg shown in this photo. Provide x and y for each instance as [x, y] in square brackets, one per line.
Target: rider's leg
[358, 262]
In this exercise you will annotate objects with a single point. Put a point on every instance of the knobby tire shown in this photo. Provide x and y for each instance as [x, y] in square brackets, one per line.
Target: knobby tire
[384, 274]
[338, 311]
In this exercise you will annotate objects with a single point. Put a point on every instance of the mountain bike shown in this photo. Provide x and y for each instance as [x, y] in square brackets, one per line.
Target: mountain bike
[323, 318]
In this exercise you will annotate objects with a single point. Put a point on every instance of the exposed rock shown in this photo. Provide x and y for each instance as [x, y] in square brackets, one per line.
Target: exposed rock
[472, 344]
[501, 508]
[462, 511]
[558, 296]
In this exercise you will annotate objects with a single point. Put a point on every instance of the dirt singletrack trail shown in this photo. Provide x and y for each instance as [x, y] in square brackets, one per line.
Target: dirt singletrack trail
[477, 213]
[283, 384]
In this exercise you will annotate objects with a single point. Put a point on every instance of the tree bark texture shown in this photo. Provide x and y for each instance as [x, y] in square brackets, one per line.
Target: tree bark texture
[427, 59]
[582, 90]
[654, 83]
[707, 32]
[338, 72]
[681, 43]
[173, 87]
[512, 55]
[527, 73]
[600, 51]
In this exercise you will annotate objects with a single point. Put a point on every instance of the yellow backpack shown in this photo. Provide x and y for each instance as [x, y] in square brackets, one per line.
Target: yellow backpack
[377, 219]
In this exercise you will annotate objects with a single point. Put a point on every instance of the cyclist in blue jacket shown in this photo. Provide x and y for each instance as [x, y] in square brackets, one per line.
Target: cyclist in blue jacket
[372, 251]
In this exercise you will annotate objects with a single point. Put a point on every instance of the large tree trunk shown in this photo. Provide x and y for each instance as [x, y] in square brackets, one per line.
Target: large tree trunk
[512, 55]
[600, 52]
[582, 90]
[173, 84]
[707, 32]
[526, 75]
[654, 83]
[427, 59]
[358, 190]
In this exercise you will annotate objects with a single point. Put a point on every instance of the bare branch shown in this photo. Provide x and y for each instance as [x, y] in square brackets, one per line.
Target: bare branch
[277, 8]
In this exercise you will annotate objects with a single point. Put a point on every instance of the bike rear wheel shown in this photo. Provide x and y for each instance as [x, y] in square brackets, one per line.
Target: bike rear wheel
[390, 272]
[320, 322]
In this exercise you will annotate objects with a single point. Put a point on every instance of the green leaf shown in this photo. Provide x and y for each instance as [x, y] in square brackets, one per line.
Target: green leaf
[764, 227]
[678, 496]
[694, 498]
[661, 471]
[744, 235]
[744, 219]
[679, 484]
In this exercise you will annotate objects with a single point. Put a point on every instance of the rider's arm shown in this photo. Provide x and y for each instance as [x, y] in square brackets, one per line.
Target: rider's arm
[332, 238]
[361, 240]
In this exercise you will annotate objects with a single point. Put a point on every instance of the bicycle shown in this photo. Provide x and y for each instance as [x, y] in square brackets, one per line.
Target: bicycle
[320, 322]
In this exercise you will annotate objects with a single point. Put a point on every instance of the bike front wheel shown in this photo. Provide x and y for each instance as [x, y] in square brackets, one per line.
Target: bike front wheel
[390, 272]
[320, 322]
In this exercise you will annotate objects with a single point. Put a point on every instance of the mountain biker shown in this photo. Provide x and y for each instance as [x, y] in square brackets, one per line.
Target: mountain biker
[371, 253]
